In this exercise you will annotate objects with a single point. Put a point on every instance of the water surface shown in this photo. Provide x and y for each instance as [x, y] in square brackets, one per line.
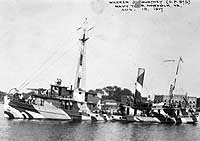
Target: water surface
[40, 130]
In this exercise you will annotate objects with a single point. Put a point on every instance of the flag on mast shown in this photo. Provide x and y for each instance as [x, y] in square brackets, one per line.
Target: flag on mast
[139, 84]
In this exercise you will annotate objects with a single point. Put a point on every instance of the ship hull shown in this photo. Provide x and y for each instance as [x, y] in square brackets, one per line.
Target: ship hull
[163, 118]
[148, 119]
[189, 119]
[21, 110]
[97, 117]
[114, 118]
[130, 118]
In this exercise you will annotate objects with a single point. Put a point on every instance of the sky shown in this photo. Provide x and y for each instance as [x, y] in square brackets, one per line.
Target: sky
[39, 43]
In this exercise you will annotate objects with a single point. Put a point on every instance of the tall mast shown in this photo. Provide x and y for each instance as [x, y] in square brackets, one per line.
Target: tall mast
[172, 86]
[177, 70]
[80, 79]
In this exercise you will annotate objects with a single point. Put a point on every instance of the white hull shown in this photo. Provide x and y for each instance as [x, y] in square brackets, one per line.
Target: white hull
[116, 118]
[47, 111]
[148, 119]
[97, 117]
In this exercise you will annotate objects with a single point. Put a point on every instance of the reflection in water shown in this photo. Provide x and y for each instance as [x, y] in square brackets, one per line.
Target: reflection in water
[39, 130]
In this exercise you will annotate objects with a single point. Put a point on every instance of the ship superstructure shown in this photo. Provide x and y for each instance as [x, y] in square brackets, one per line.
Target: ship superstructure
[59, 102]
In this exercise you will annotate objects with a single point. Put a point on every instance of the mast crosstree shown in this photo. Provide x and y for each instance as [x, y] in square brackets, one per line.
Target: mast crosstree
[80, 79]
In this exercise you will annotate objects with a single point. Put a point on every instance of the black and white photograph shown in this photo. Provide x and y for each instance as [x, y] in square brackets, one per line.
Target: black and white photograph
[99, 70]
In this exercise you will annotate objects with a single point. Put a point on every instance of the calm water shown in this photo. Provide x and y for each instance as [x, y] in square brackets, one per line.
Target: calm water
[28, 130]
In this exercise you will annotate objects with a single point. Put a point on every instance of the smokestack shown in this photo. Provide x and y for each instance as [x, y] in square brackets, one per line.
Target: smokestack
[139, 84]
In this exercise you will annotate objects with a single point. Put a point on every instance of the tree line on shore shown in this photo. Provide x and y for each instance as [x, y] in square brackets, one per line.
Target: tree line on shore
[108, 92]
[112, 92]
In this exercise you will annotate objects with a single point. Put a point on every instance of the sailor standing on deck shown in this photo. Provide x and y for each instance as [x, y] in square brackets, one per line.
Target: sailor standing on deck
[59, 81]
[29, 100]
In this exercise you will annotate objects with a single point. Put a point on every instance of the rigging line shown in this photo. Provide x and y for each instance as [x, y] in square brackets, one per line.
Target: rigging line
[57, 59]
[40, 67]
[35, 76]
[44, 63]
[73, 68]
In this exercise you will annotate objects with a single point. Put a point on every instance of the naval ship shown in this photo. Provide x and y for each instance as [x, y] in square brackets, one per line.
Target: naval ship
[59, 102]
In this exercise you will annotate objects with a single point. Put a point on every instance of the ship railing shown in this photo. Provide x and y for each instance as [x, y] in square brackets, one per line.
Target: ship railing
[157, 108]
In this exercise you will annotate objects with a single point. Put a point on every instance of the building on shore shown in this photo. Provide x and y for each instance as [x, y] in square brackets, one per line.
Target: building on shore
[177, 99]
[110, 106]
[129, 100]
